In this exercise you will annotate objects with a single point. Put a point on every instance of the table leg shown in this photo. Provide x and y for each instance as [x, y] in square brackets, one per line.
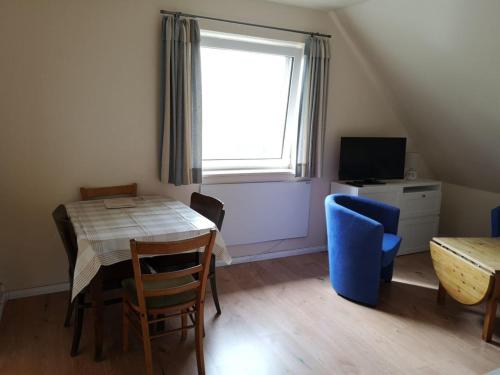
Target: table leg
[441, 295]
[97, 304]
[489, 319]
[491, 310]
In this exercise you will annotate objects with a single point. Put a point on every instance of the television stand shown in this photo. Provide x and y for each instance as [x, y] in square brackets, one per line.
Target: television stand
[361, 183]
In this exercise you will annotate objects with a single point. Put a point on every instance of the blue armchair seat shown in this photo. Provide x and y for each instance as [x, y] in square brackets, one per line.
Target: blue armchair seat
[362, 245]
[390, 247]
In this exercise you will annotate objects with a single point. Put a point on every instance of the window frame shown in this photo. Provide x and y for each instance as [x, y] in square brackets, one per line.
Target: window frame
[294, 50]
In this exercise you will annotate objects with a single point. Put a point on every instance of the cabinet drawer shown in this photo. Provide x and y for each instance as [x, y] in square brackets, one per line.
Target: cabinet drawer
[416, 233]
[389, 198]
[420, 203]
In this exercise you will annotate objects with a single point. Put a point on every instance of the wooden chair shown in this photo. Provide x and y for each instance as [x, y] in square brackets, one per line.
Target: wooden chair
[68, 238]
[108, 191]
[213, 210]
[112, 276]
[210, 207]
[162, 296]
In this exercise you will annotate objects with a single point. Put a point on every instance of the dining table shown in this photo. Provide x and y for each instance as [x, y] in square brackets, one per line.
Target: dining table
[104, 230]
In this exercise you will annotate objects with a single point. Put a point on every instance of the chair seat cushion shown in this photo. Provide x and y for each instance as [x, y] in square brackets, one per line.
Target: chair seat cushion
[390, 246]
[163, 301]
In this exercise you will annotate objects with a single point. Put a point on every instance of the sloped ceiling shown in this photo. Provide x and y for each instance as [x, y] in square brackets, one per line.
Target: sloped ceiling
[441, 61]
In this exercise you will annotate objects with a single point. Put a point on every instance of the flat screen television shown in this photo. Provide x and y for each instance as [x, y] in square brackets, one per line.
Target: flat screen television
[369, 159]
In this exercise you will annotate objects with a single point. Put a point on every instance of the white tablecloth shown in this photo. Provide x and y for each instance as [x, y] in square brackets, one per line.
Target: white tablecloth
[103, 234]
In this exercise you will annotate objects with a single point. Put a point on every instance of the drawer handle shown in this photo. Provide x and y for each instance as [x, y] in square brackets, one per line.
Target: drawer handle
[423, 195]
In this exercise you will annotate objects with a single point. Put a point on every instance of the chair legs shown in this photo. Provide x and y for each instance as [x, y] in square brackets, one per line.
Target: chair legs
[213, 285]
[125, 326]
[77, 329]
[199, 333]
[184, 325]
[69, 311]
[146, 339]
[146, 342]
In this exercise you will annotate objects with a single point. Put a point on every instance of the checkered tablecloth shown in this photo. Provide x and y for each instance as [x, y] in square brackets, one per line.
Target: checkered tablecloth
[103, 234]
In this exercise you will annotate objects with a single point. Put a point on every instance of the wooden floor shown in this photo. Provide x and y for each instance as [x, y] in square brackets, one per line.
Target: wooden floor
[279, 317]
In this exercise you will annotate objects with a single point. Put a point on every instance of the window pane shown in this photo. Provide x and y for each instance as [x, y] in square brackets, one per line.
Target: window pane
[245, 100]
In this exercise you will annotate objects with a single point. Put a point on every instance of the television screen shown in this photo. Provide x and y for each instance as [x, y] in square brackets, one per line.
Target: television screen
[364, 158]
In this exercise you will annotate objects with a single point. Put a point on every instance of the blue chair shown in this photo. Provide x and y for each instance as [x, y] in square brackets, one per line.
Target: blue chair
[495, 222]
[362, 245]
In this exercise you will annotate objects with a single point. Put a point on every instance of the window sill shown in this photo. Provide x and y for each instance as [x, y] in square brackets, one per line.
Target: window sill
[248, 175]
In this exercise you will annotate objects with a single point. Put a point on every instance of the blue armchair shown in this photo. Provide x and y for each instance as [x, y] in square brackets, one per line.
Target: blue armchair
[495, 222]
[362, 245]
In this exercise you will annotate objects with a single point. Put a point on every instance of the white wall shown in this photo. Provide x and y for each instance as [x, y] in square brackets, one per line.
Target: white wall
[439, 60]
[466, 212]
[79, 106]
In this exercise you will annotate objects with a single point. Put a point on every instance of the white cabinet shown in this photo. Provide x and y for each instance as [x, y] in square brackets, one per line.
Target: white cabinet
[419, 202]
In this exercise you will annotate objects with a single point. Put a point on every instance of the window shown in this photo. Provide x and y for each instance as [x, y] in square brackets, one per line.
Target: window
[250, 102]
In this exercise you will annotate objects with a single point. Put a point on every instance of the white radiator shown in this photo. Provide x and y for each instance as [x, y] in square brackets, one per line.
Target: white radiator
[263, 211]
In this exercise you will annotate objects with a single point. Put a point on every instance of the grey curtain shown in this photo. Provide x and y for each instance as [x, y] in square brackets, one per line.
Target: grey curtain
[180, 117]
[313, 108]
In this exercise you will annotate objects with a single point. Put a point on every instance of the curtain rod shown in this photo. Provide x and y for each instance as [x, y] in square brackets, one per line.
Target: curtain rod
[245, 23]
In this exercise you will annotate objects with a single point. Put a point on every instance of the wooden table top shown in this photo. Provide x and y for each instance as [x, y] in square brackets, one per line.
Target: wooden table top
[484, 251]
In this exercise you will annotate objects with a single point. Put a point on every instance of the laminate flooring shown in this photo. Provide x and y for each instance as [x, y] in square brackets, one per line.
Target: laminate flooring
[278, 317]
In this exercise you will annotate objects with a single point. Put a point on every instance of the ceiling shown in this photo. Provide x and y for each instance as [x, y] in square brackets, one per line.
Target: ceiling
[319, 4]
[441, 61]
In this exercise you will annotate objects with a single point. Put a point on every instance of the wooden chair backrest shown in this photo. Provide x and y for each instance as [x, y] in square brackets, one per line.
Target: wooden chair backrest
[108, 191]
[210, 207]
[170, 248]
[67, 234]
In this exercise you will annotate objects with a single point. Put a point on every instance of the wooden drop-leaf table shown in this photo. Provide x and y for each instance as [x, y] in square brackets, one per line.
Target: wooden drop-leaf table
[468, 270]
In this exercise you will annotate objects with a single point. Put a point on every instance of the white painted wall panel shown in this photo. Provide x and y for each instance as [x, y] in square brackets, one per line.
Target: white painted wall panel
[259, 212]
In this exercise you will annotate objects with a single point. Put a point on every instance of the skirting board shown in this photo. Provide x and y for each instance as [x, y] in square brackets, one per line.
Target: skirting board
[273, 255]
[30, 292]
[55, 288]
